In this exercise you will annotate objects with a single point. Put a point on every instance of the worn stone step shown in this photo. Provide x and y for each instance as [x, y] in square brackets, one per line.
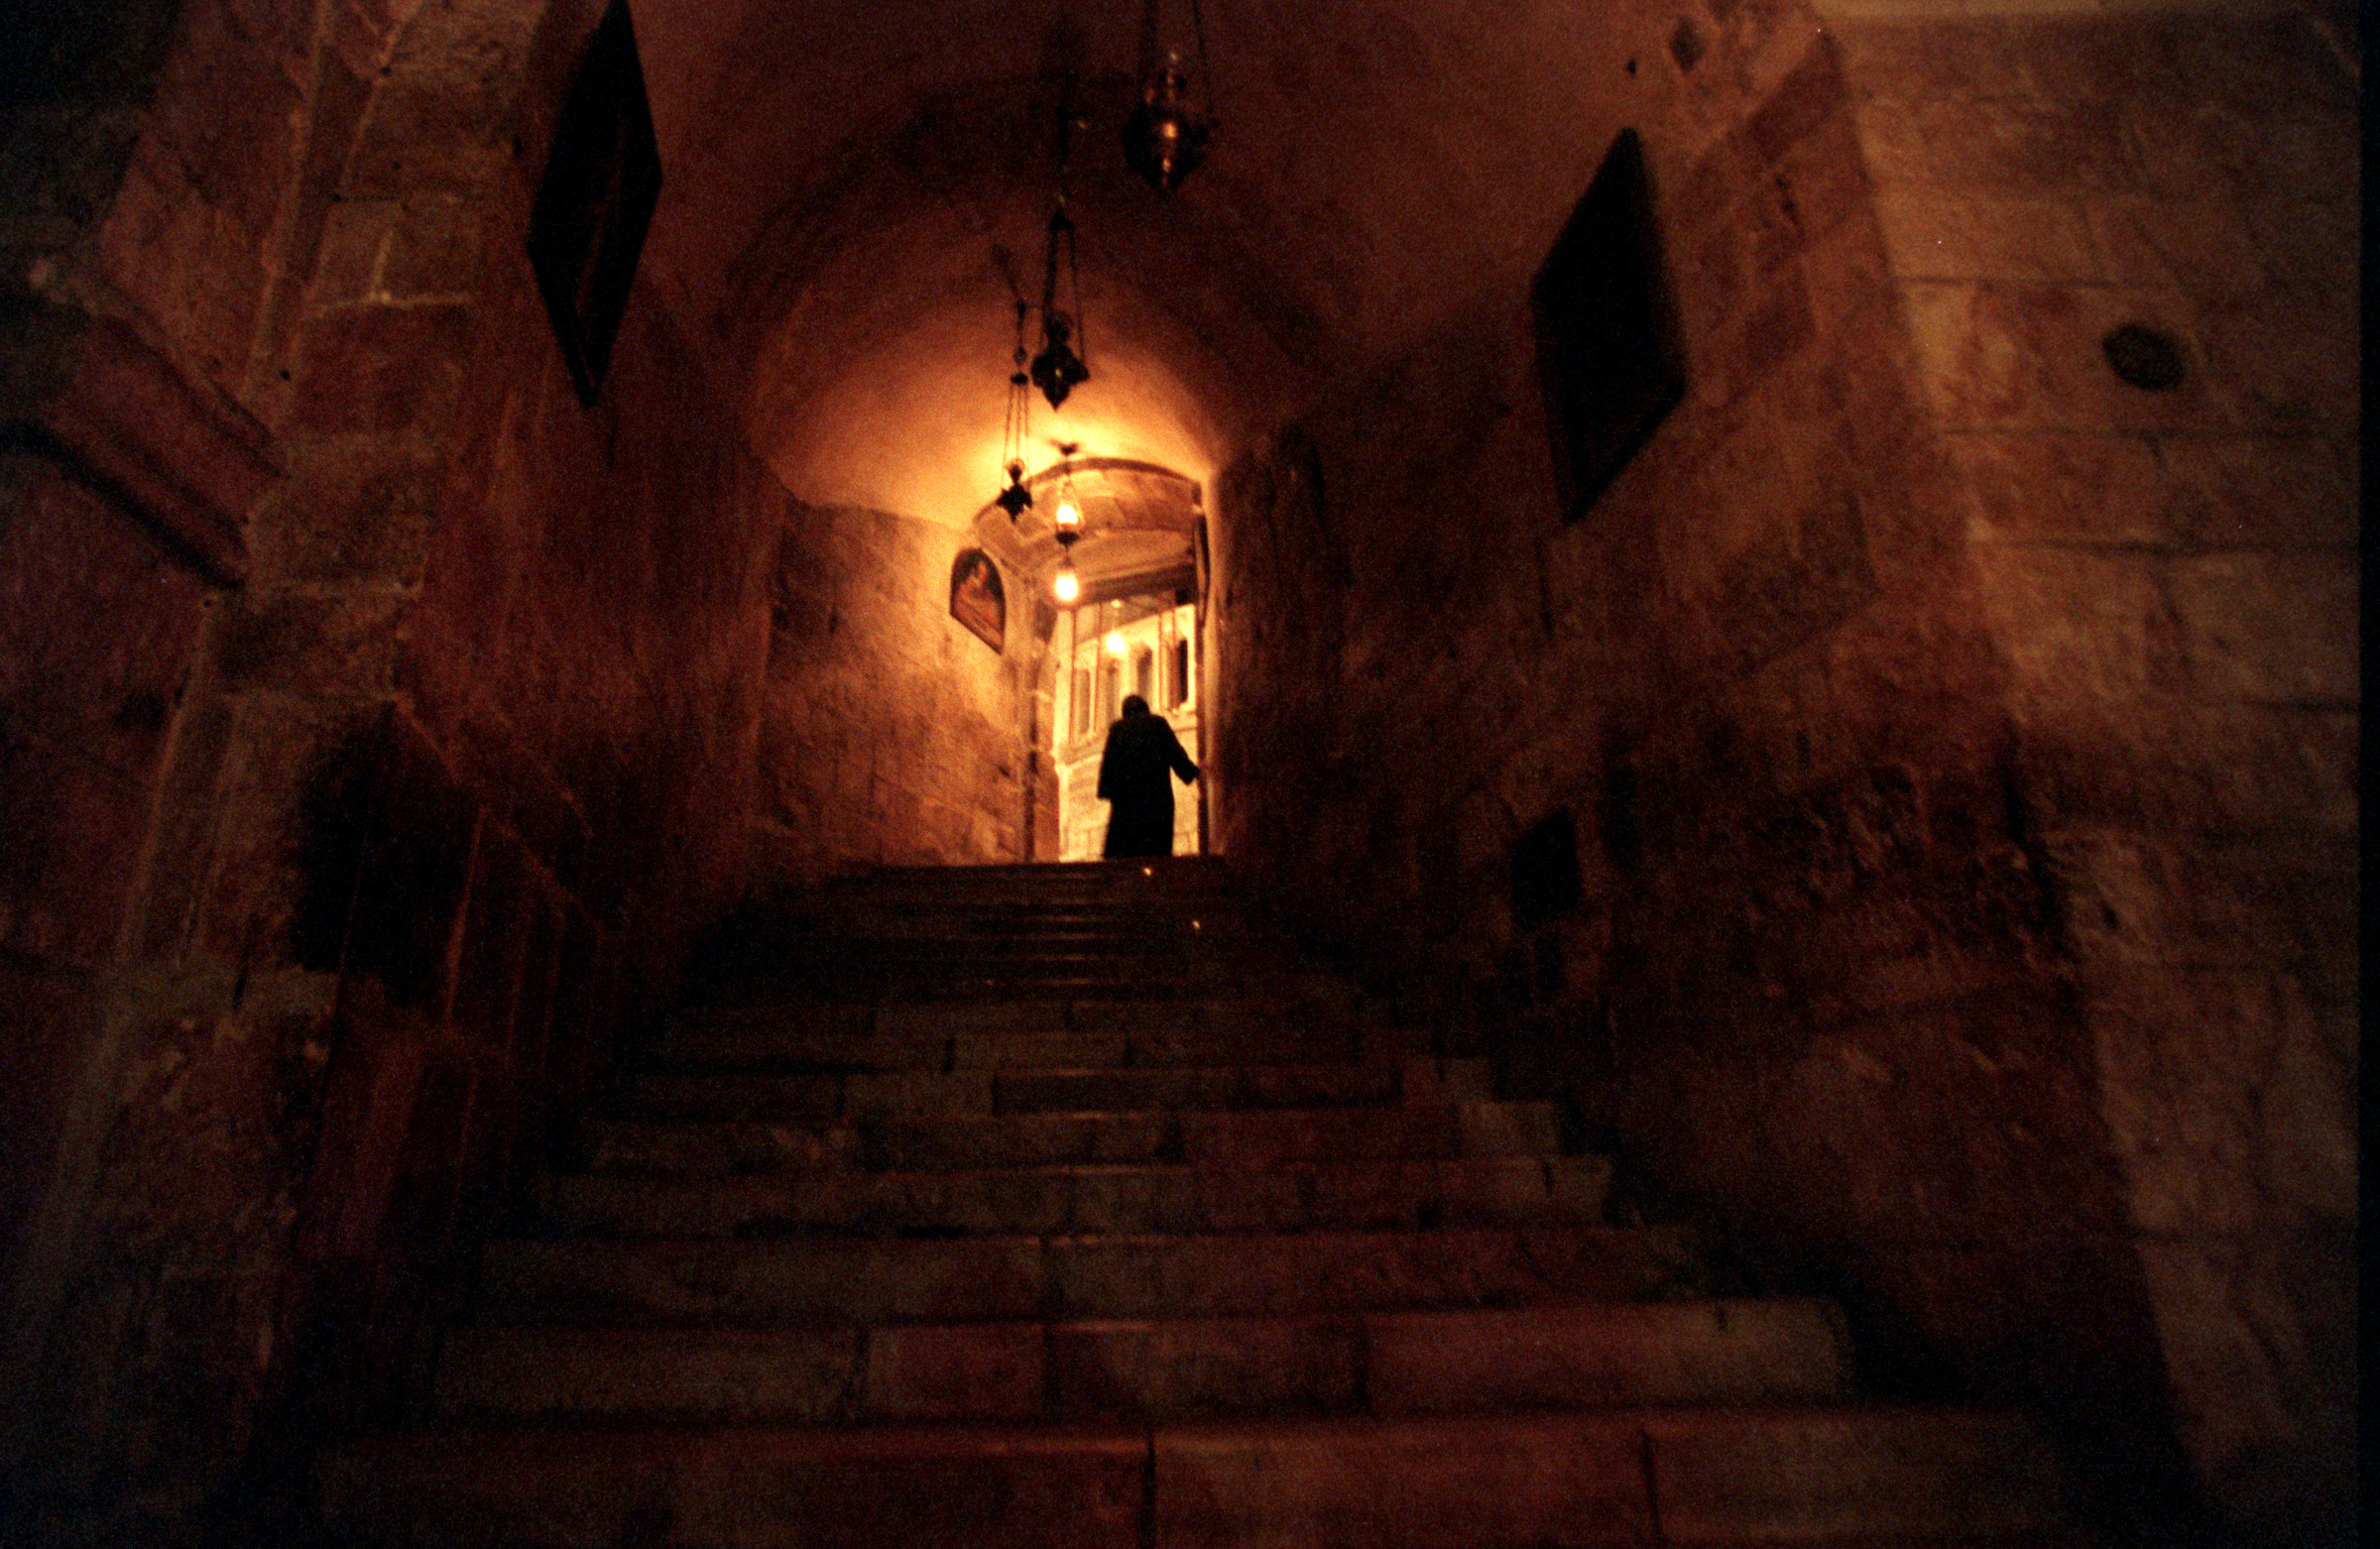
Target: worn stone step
[934, 992]
[709, 1093]
[702, 1092]
[1196, 1087]
[1186, 923]
[1134, 946]
[1213, 1139]
[688, 1282]
[1185, 929]
[1408, 1195]
[574, 1488]
[1021, 971]
[1787, 1475]
[1909, 1478]
[1591, 1355]
[1031, 1035]
[1152, 877]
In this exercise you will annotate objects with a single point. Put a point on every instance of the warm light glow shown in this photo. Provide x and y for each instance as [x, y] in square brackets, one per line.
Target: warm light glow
[1115, 643]
[1068, 517]
[1066, 587]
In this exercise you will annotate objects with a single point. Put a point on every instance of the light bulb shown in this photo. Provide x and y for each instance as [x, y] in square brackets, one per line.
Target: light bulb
[1115, 643]
[1067, 588]
[1068, 517]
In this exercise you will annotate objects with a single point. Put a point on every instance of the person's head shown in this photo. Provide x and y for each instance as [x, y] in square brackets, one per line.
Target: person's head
[1133, 704]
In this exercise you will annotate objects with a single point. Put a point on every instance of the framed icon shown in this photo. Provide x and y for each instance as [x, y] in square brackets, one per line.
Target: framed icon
[976, 598]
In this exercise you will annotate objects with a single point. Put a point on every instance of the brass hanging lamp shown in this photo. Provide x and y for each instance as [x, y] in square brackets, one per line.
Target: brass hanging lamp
[1015, 500]
[1167, 135]
[1061, 368]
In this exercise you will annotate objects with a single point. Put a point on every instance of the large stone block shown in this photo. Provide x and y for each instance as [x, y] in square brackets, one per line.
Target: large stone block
[2261, 491]
[353, 510]
[2279, 369]
[2066, 488]
[312, 645]
[2177, 901]
[2195, 768]
[2081, 629]
[51, 1027]
[2202, 246]
[1934, 59]
[71, 834]
[1934, 233]
[2258, 1341]
[382, 368]
[97, 624]
[2008, 146]
[2225, 1105]
[2268, 626]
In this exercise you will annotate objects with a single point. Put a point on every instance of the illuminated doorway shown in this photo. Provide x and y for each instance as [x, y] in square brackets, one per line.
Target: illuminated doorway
[1146, 645]
[1113, 554]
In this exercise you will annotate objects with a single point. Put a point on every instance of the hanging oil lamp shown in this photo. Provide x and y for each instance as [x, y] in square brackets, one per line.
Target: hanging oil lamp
[1166, 137]
[1061, 368]
[1069, 529]
[1015, 500]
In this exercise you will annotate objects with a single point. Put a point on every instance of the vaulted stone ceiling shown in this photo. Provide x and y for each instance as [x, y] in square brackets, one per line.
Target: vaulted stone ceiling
[851, 189]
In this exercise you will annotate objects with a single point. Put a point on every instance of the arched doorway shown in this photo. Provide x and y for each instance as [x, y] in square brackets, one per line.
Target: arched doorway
[1132, 624]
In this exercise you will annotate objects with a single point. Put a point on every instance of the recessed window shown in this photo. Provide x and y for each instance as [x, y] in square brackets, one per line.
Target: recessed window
[1609, 351]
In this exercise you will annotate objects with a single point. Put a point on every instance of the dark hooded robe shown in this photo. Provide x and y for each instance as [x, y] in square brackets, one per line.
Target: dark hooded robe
[1141, 751]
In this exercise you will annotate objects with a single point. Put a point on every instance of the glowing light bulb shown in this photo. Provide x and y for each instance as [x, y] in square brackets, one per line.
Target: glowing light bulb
[1067, 586]
[1115, 643]
[1068, 517]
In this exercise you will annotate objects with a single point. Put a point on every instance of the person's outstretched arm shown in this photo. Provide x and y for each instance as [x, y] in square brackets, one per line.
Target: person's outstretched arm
[1180, 760]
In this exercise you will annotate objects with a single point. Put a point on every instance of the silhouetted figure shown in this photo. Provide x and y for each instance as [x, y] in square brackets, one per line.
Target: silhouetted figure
[1141, 751]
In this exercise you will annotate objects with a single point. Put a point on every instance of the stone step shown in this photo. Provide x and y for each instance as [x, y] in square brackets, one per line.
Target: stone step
[1140, 975]
[686, 1283]
[1584, 1356]
[962, 1037]
[1912, 1478]
[913, 932]
[1188, 928]
[1213, 1139]
[711, 1092]
[1401, 1196]
[1186, 921]
[1155, 875]
[932, 992]
[1733, 1476]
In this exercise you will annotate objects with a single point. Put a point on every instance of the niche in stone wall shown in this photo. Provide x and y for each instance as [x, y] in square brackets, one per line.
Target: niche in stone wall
[1545, 872]
[1611, 354]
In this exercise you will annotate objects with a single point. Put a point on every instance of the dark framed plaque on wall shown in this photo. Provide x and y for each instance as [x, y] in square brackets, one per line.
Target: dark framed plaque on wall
[1610, 350]
[595, 201]
[976, 599]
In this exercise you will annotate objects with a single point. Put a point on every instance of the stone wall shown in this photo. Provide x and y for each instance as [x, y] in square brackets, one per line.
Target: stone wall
[2171, 574]
[1837, 977]
[379, 725]
[890, 734]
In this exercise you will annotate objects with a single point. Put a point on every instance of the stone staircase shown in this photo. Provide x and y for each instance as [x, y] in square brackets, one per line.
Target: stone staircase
[1053, 1205]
